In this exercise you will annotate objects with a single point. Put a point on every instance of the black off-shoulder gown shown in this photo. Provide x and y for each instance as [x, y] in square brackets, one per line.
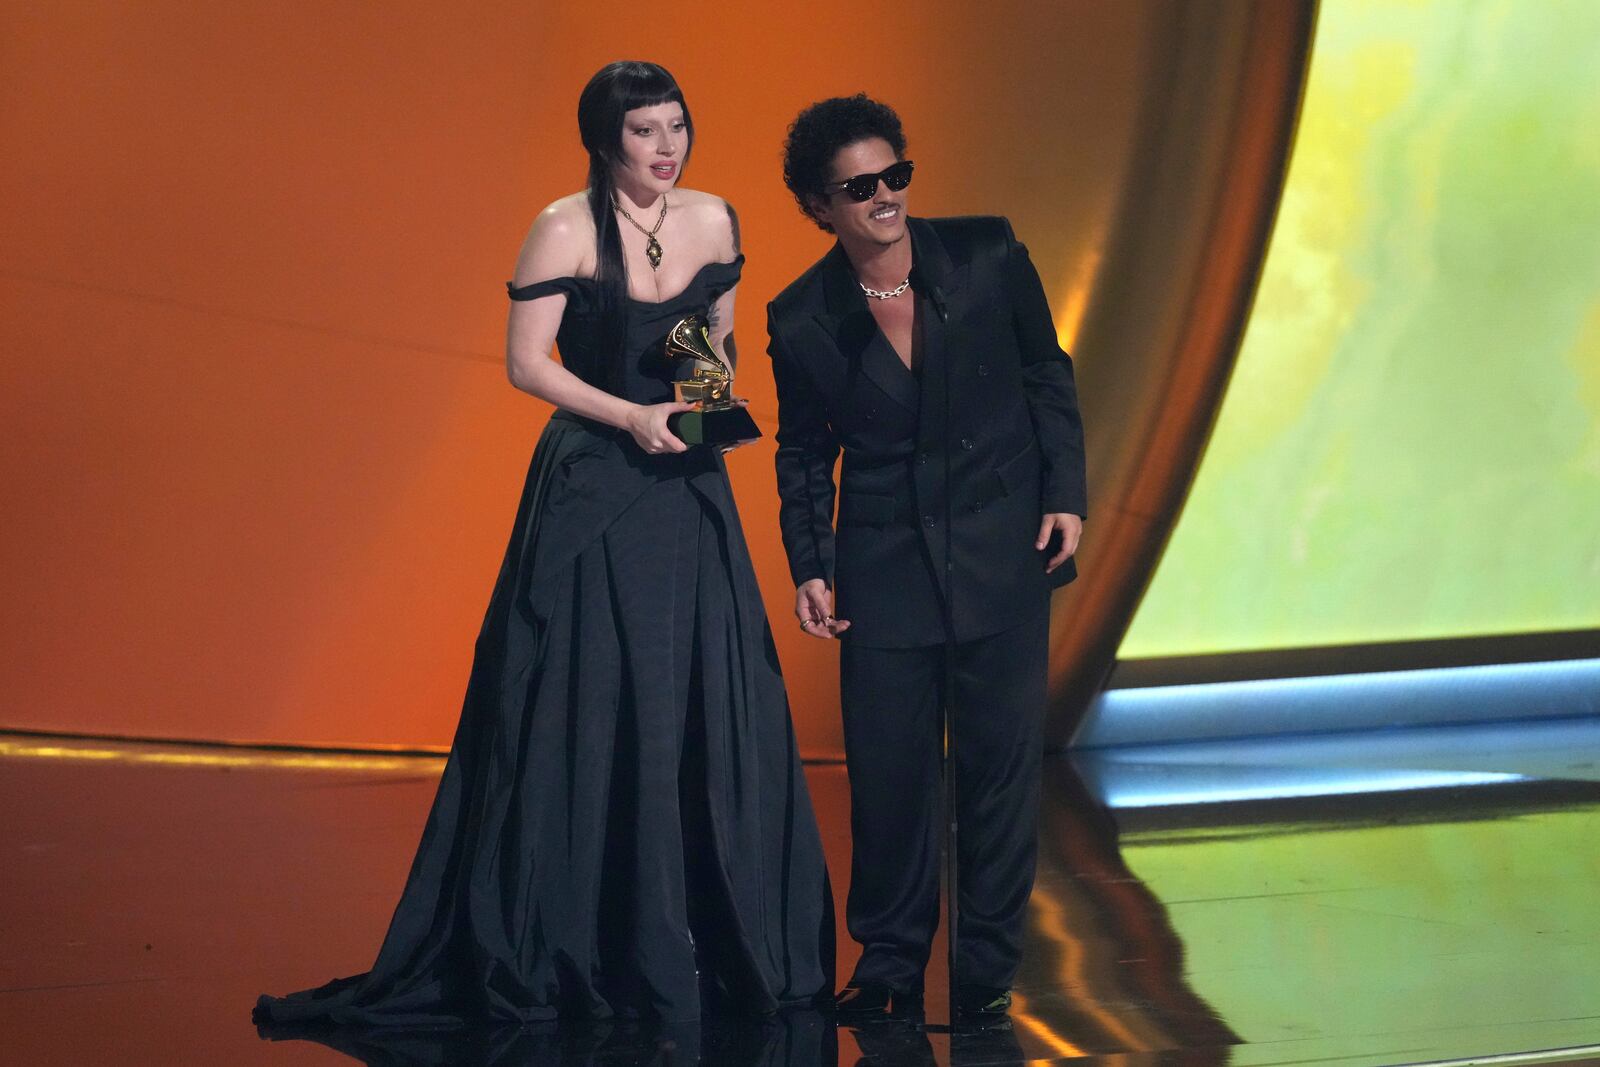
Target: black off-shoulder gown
[624, 799]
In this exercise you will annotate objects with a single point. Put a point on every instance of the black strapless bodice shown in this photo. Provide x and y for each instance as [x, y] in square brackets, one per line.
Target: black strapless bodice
[647, 375]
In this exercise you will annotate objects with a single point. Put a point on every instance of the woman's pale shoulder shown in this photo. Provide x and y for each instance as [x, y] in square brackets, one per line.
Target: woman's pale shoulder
[559, 243]
[569, 214]
[710, 204]
[711, 211]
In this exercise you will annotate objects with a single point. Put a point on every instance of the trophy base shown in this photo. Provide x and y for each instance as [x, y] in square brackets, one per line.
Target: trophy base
[714, 426]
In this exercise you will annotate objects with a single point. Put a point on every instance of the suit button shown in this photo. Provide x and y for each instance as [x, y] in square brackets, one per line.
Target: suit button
[927, 520]
[966, 443]
[870, 414]
[922, 458]
[983, 370]
[975, 508]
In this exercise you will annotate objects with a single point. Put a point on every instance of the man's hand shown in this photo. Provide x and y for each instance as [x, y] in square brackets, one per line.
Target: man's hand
[813, 606]
[1071, 528]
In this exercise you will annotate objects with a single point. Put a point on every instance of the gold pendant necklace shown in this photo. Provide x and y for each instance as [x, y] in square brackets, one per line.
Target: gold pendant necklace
[652, 247]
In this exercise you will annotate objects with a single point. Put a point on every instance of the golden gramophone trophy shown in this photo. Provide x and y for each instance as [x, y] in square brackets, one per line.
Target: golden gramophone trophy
[721, 419]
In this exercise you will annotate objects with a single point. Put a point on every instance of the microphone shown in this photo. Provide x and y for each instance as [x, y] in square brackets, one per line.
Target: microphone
[936, 294]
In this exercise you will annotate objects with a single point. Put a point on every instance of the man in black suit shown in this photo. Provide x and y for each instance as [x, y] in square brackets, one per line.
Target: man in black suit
[924, 352]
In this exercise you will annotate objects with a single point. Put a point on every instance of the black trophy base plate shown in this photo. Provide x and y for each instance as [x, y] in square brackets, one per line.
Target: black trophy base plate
[714, 426]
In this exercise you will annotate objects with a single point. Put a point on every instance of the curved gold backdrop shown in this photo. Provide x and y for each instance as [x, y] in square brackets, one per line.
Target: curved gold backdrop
[260, 457]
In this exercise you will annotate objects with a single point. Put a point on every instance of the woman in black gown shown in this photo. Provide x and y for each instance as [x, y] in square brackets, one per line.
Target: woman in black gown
[622, 825]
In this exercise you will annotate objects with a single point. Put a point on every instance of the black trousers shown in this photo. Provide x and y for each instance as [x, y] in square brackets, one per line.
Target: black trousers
[891, 702]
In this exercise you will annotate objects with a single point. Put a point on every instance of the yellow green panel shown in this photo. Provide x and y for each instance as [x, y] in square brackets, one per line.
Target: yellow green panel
[1410, 446]
[1383, 930]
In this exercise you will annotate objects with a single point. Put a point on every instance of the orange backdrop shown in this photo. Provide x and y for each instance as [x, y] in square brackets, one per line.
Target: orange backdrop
[260, 454]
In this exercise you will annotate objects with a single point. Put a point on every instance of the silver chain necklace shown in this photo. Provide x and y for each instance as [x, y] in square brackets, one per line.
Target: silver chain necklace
[881, 294]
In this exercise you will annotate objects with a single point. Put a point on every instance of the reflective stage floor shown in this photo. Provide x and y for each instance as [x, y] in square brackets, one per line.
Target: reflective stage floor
[1380, 898]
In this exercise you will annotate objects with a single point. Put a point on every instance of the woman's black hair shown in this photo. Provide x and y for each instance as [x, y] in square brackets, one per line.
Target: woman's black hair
[821, 130]
[616, 89]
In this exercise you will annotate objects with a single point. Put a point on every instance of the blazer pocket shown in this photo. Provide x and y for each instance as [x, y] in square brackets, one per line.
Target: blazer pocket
[1012, 473]
[866, 509]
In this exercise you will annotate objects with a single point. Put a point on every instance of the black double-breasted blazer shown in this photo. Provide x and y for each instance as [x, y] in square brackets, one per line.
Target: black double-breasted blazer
[946, 471]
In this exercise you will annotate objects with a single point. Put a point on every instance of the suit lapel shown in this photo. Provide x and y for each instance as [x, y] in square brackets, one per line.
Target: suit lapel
[847, 320]
[931, 265]
[939, 283]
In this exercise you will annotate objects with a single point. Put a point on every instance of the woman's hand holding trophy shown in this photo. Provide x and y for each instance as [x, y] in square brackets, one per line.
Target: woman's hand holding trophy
[720, 418]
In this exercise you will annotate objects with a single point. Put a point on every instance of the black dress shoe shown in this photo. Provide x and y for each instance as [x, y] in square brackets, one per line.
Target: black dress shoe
[982, 1005]
[907, 1006]
[858, 1000]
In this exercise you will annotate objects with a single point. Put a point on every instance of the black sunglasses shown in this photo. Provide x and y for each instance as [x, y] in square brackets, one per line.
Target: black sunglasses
[862, 187]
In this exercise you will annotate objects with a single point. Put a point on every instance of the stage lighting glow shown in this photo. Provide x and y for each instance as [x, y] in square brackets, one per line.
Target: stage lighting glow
[1569, 689]
[1135, 785]
[156, 754]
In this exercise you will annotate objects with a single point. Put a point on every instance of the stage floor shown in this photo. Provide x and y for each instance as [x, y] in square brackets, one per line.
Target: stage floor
[1378, 898]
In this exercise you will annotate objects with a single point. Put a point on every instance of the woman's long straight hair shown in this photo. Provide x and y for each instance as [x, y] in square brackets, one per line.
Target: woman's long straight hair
[614, 91]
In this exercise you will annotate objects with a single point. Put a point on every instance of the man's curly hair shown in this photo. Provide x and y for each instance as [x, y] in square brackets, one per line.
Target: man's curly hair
[821, 130]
